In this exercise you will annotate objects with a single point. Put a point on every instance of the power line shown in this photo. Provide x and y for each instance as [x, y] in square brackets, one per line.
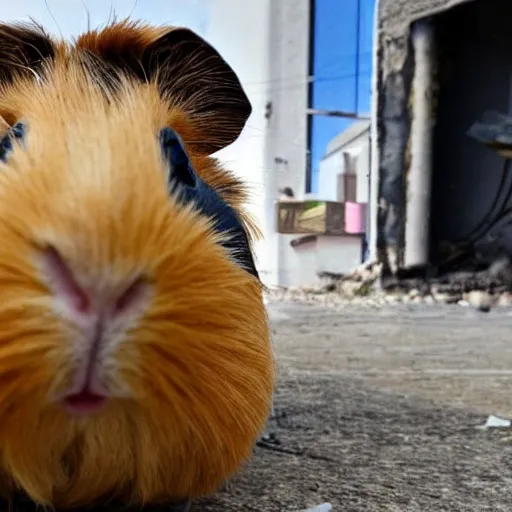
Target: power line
[299, 85]
[304, 78]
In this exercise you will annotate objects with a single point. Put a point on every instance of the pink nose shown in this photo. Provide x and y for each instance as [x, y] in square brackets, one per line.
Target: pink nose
[98, 317]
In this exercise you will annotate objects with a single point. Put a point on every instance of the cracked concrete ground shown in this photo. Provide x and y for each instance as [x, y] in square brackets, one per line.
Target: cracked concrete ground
[376, 409]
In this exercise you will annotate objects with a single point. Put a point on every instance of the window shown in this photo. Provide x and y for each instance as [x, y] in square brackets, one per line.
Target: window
[341, 70]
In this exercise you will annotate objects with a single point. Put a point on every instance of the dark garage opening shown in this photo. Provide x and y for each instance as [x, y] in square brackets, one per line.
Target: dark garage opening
[474, 42]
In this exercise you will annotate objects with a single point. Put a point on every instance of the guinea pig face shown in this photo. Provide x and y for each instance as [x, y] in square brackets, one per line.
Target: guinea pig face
[134, 348]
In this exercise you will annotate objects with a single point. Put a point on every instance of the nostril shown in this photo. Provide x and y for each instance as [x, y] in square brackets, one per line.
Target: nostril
[62, 281]
[131, 297]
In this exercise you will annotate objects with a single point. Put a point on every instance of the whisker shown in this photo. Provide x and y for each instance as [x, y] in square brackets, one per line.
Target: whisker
[54, 19]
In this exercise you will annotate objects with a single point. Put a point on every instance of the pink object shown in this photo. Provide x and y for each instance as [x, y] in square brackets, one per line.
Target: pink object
[355, 217]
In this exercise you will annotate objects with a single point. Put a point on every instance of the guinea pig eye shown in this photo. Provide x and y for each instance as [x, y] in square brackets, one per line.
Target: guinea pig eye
[6, 143]
[174, 153]
[205, 199]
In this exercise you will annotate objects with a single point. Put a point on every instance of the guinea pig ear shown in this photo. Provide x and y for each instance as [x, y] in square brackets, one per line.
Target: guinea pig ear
[192, 75]
[23, 49]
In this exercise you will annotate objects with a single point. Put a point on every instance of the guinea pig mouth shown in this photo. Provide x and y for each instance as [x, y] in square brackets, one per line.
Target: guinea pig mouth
[84, 402]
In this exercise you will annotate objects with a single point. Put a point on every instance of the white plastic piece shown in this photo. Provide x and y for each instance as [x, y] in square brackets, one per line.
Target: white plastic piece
[495, 422]
[324, 507]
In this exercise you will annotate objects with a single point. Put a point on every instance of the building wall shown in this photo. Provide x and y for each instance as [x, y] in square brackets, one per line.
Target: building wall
[333, 164]
[287, 125]
[335, 254]
[268, 46]
[245, 44]
[302, 262]
[329, 168]
[338, 254]
[363, 171]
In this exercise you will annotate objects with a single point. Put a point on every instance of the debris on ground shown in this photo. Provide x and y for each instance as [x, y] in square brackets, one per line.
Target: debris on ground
[482, 290]
[480, 300]
[495, 422]
[324, 507]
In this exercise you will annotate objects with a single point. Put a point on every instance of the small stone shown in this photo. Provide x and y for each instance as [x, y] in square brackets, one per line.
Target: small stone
[313, 486]
[452, 299]
[482, 301]
[414, 293]
[446, 298]
[505, 299]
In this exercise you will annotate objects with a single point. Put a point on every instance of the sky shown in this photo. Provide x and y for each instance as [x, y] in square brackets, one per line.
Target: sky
[334, 69]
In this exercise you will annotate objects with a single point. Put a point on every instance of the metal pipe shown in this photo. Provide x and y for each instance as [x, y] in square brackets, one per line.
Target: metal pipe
[373, 202]
[311, 90]
[419, 179]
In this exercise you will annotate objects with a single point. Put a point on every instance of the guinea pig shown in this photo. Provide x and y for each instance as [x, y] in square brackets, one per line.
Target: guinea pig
[135, 359]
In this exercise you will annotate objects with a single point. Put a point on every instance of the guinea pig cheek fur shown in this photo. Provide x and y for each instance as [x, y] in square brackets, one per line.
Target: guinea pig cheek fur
[98, 315]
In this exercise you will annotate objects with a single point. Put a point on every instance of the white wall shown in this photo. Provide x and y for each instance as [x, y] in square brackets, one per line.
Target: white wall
[241, 33]
[334, 163]
[363, 170]
[302, 264]
[287, 89]
[338, 254]
[330, 166]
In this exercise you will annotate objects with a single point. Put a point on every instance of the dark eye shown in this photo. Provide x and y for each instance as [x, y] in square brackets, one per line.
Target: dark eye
[174, 153]
[190, 189]
[6, 143]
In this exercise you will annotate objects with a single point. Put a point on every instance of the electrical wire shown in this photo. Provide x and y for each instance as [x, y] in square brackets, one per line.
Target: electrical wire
[488, 222]
[312, 77]
[475, 234]
[503, 215]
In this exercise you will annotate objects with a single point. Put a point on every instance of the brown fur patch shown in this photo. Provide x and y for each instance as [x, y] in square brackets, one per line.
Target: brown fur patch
[126, 39]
